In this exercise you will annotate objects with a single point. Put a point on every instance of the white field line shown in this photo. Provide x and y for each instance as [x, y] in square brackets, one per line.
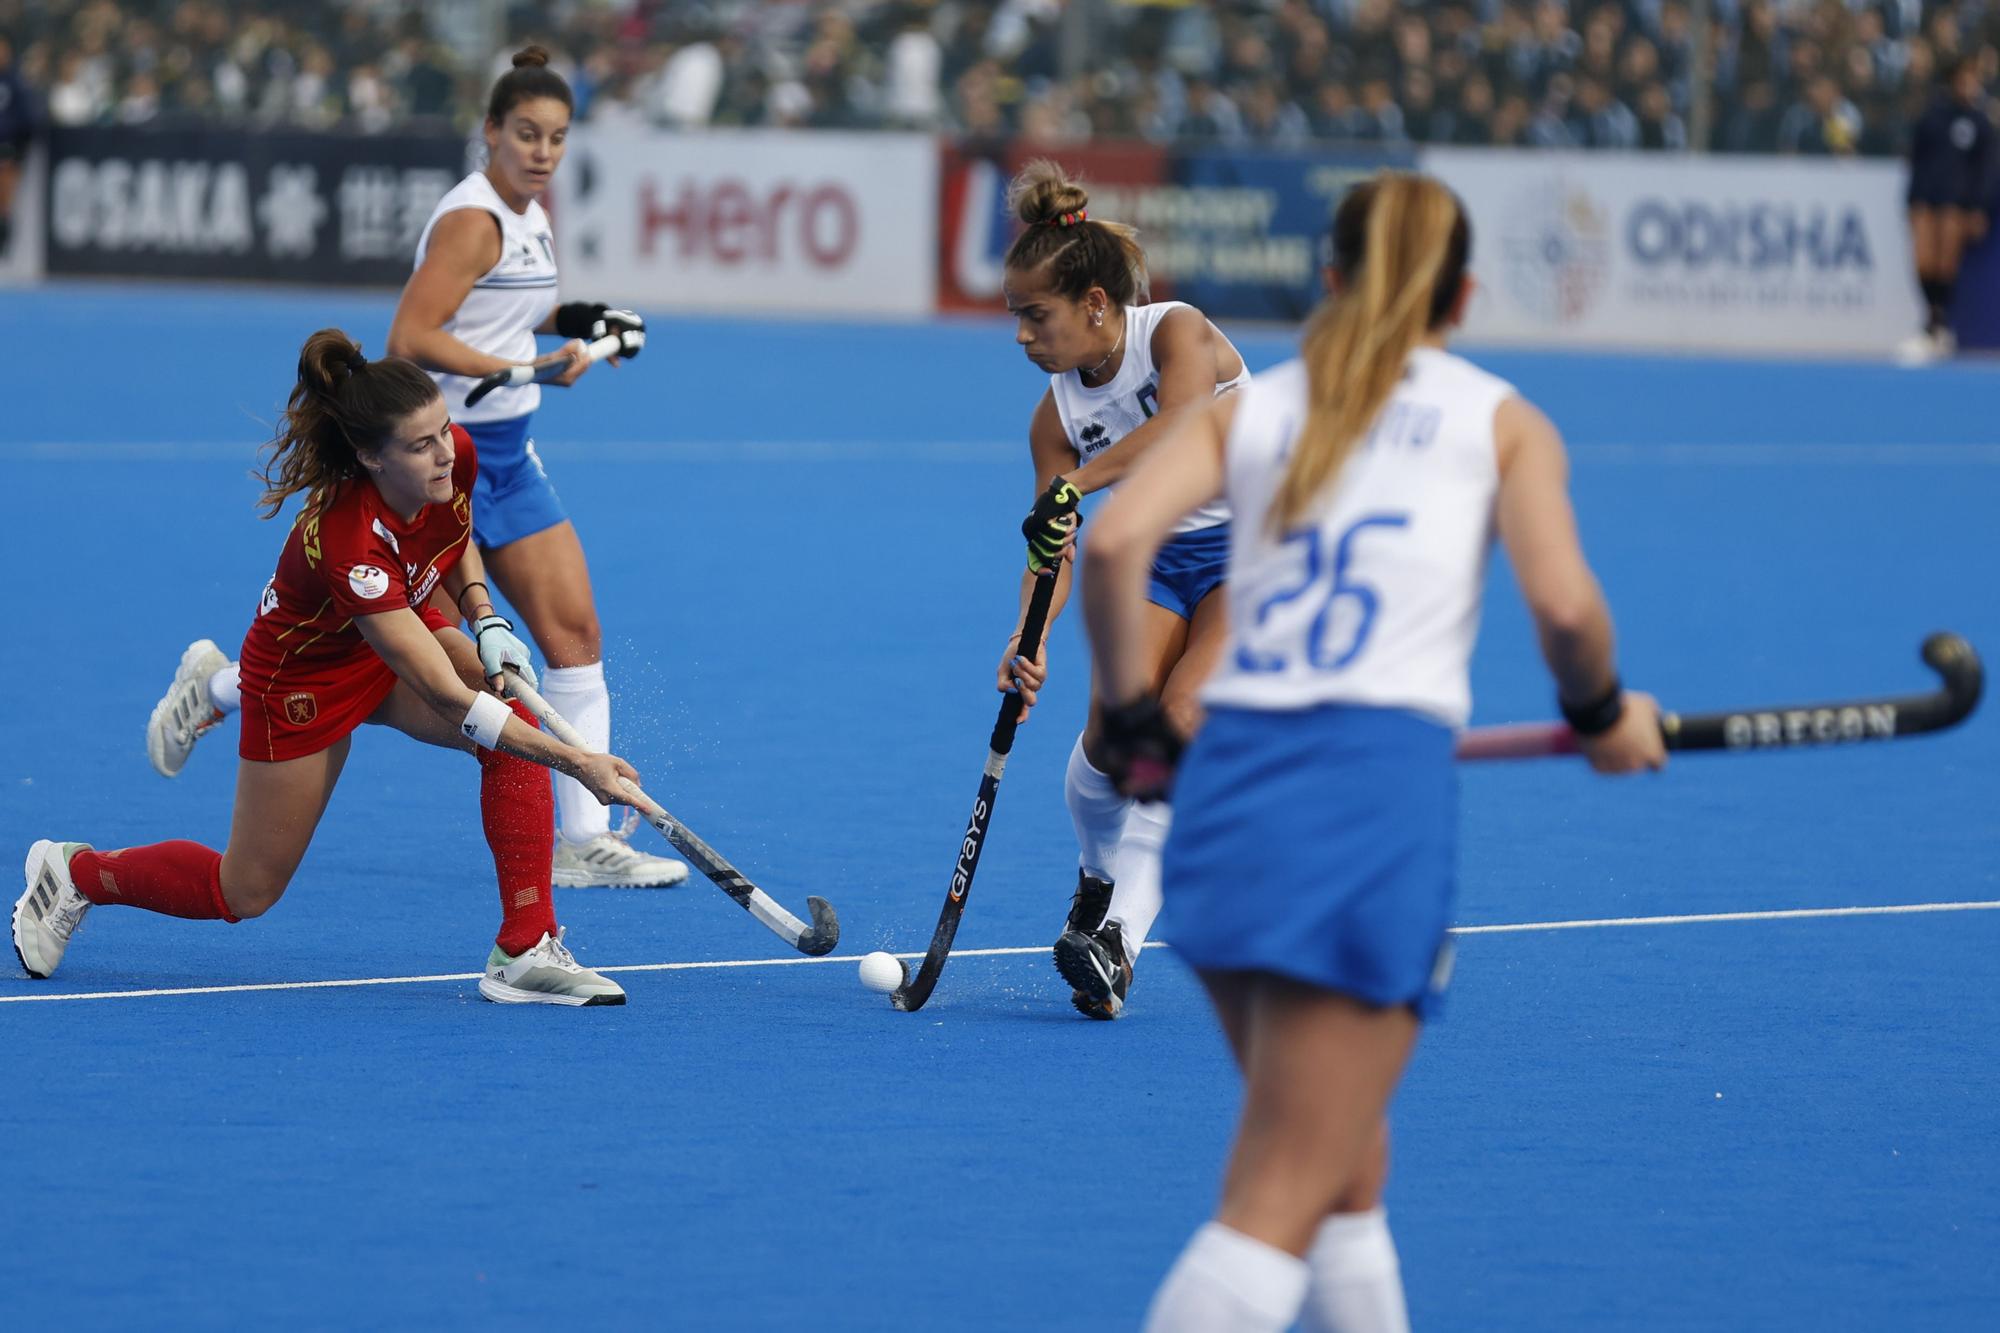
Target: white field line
[1010, 451]
[1790, 914]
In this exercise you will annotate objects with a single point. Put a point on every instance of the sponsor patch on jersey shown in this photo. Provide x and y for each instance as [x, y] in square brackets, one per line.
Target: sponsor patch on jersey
[386, 536]
[368, 581]
[301, 708]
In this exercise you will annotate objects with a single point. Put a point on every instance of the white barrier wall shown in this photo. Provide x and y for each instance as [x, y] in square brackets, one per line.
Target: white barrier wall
[750, 220]
[1650, 250]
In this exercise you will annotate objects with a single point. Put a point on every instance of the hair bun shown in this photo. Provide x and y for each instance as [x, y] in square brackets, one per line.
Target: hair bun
[530, 57]
[1045, 195]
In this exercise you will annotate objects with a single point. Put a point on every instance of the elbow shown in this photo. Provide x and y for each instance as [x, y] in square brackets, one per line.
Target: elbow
[398, 345]
[1568, 617]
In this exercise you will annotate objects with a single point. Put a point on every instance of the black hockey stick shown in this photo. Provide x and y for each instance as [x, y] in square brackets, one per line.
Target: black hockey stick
[910, 996]
[819, 938]
[1842, 722]
[556, 364]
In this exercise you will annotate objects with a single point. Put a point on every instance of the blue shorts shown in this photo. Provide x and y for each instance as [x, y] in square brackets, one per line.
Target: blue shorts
[511, 497]
[1188, 568]
[1320, 845]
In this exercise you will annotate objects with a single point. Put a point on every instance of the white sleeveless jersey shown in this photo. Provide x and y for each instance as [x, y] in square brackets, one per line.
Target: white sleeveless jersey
[1375, 598]
[500, 313]
[1096, 419]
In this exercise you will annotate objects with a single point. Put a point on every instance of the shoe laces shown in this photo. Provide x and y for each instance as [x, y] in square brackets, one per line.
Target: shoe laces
[557, 954]
[68, 914]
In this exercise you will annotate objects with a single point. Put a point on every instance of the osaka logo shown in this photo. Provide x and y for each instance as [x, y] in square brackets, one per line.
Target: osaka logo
[301, 708]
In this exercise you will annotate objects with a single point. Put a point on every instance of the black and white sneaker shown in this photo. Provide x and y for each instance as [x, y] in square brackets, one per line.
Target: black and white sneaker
[1089, 903]
[1093, 963]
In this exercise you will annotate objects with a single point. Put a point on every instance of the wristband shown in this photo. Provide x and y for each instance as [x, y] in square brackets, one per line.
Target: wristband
[476, 583]
[1599, 715]
[485, 720]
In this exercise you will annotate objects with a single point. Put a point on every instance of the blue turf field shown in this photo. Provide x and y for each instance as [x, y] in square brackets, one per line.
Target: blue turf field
[1696, 1125]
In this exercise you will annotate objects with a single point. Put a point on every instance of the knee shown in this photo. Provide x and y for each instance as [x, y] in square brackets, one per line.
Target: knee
[252, 893]
[1184, 711]
[575, 639]
[1363, 1189]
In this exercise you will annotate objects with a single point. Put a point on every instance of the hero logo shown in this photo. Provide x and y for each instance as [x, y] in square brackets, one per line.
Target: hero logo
[732, 222]
[1555, 247]
[1759, 237]
[367, 581]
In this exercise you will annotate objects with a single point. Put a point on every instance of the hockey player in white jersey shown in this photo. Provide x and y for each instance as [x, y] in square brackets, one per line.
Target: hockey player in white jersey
[1310, 873]
[1121, 371]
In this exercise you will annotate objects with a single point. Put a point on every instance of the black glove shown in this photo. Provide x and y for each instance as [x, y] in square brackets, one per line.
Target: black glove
[1141, 749]
[591, 320]
[1049, 524]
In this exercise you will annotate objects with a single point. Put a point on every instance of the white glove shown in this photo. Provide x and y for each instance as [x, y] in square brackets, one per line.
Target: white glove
[500, 649]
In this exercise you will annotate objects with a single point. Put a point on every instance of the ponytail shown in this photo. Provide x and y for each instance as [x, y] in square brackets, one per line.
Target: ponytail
[1080, 251]
[343, 405]
[1400, 247]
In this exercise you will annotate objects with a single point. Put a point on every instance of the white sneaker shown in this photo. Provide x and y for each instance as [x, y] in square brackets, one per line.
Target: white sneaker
[608, 861]
[1919, 349]
[48, 912]
[1946, 343]
[545, 974]
[186, 714]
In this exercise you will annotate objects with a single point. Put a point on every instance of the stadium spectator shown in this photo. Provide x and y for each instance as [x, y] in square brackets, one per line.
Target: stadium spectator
[1804, 76]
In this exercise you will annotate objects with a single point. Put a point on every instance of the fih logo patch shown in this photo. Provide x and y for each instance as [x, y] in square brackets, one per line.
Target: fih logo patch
[1555, 248]
[301, 708]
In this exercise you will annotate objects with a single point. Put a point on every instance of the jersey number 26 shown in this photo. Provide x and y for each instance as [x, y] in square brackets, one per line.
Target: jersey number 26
[1330, 588]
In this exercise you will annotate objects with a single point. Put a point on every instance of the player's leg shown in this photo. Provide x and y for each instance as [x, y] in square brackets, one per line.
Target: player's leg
[529, 963]
[278, 807]
[1319, 1069]
[1925, 249]
[1135, 901]
[1088, 953]
[546, 578]
[1954, 234]
[205, 690]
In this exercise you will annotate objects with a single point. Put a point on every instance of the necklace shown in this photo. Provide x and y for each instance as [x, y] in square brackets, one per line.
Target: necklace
[1088, 375]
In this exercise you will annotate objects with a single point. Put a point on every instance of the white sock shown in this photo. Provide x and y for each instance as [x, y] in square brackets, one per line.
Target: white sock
[1135, 896]
[1227, 1280]
[1357, 1285]
[578, 694]
[1098, 812]
[225, 688]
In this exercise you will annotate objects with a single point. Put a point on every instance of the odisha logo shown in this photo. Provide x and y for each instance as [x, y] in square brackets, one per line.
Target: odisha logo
[1555, 245]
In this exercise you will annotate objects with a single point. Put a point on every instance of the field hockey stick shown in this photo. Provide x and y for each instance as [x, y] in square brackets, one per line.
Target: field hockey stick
[818, 938]
[556, 364]
[910, 996]
[1792, 727]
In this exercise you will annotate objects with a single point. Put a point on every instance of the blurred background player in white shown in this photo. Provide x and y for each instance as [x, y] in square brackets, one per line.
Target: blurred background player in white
[1310, 872]
[347, 634]
[485, 284]
[1121, 372]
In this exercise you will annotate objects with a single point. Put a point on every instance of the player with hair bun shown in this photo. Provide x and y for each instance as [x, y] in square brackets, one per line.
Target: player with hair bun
[346, 634]
[1311, 870]
[484, 286]
[1121, 372]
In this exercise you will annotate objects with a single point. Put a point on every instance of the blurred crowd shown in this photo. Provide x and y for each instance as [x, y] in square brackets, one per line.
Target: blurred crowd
[1788, 76]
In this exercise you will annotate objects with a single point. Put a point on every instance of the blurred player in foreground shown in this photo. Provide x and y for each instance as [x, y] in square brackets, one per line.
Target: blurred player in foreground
[485, 284]
[346, 634]
[1121, 372]
[1311, 868]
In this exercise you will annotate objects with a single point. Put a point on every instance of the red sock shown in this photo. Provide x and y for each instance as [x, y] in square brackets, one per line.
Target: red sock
[518, 807]
[181, 879]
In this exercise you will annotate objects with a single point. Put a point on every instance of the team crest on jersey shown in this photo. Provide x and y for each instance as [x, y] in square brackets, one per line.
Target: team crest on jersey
[368, 581]
[461, 506]
[301, 708]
